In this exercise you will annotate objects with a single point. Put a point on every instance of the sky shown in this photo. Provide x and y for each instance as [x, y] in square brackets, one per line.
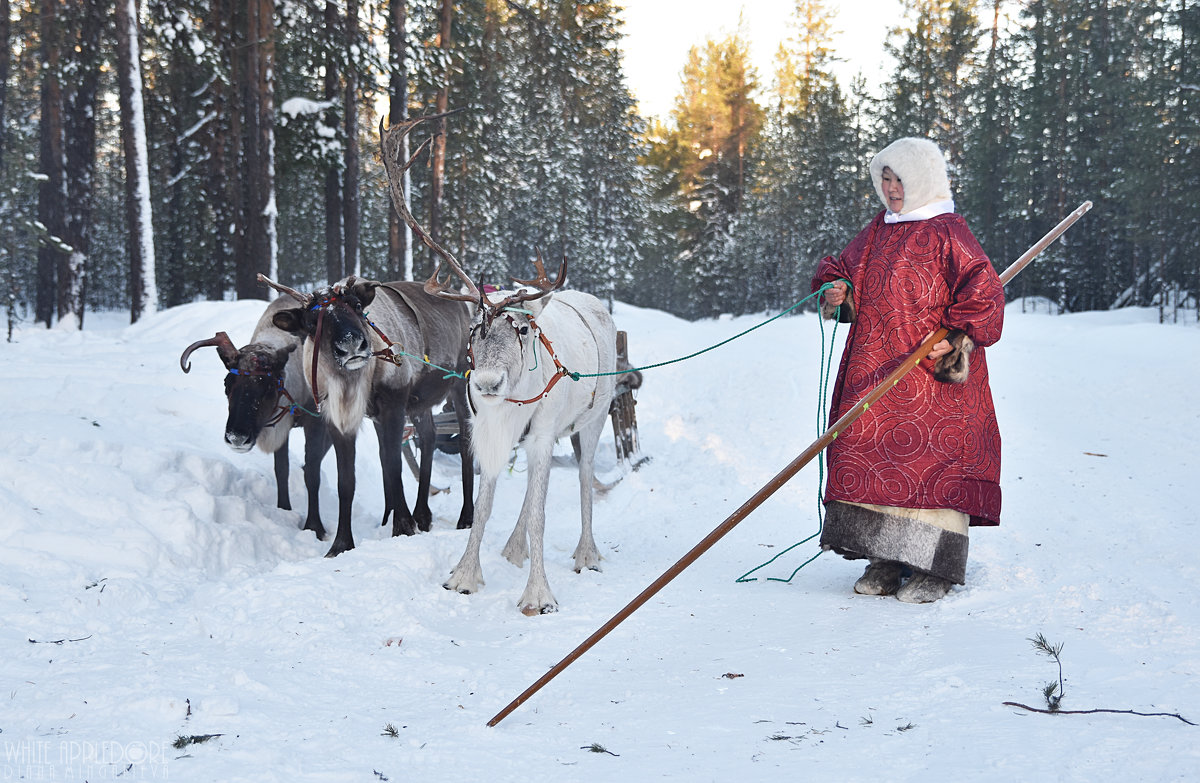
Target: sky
[659, 34]
[151, 590]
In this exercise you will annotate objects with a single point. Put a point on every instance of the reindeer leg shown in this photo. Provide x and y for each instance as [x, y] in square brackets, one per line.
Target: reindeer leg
[389, 425]
[467, 576]
[282, 500]
[537, 598]
[465, 455]
[586, 555]
[427, 435]
[343, 447]
[516, 549]
[316, 446]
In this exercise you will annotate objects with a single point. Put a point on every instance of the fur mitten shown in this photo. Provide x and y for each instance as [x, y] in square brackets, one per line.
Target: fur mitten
[954, 367]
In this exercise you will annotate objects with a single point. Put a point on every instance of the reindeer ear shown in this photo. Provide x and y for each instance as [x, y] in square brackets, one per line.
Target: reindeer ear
[290, 320]
[536, 306]
[364, 290]
[281, 354]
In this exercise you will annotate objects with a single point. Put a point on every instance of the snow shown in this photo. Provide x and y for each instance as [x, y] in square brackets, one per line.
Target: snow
[150, 590]
[298, 106]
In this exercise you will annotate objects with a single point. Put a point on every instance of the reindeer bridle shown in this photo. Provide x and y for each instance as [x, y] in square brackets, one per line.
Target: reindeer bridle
[560, 371]
[335, 296]
[280, 410]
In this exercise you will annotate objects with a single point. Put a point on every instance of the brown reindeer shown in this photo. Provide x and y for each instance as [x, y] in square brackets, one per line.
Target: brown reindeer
[267, 398]
[353, 329]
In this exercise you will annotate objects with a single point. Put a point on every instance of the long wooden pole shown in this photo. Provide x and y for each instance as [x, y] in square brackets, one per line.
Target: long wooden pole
[781, 478]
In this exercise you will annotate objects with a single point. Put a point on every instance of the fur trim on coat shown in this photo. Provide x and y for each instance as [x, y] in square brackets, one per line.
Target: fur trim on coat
[954, 367]
[921, 168]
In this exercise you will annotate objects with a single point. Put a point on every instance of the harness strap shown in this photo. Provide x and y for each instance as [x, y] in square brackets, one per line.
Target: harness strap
[317, 347]
[560, 371]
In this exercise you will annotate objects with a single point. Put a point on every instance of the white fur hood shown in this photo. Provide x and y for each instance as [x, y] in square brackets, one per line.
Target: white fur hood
[921, 168]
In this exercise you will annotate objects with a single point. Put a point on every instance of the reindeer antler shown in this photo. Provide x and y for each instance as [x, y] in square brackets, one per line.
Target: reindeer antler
[390, 144]
[542, 283]
[220, 341]
[283, 289]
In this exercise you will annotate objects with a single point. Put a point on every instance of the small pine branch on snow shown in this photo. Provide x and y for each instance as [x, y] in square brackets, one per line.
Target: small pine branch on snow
[182, 742]
[1053, 691]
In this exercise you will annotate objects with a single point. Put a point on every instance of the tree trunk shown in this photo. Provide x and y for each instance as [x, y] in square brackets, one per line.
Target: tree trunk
[142, 287]
[79, 149]
[399, 234]
[438, 175]
[52, 195]
[350, 200]
[220, 145]
[335, 269]
[253, 72]
[8, 267]
[5, 56]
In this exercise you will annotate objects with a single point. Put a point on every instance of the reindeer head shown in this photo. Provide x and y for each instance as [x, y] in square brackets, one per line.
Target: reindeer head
[333, 319]
[253, 386]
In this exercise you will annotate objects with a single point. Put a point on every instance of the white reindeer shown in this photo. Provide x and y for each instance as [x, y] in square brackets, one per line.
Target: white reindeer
[522, 347]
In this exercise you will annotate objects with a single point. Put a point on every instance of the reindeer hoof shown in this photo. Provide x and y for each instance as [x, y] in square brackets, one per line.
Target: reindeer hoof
[403, 527]
[530, 610]
[338, 548]
[534, 611]
[318, 529]
[464, 582]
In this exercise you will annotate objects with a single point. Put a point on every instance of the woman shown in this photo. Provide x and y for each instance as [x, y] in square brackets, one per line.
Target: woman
[909, 477]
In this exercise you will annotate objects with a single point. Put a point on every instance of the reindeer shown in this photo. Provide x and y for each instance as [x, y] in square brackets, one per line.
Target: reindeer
[263, 375]
[349, 380]
[515, 395]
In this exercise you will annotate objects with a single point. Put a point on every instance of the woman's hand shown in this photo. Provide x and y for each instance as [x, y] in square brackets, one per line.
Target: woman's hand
[940, 349]
[836, 296]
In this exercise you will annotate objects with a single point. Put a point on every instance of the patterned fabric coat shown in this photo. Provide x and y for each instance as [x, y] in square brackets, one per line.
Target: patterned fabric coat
[926, 443]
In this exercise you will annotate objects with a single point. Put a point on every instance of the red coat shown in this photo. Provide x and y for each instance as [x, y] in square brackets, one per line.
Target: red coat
[926, 443]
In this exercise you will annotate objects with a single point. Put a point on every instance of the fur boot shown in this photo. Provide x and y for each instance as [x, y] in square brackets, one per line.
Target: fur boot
[882, 577]
[923, 589]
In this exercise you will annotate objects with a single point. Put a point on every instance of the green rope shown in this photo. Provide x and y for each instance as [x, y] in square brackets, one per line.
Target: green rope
[826, 371]
[425, 360]
[577, 375]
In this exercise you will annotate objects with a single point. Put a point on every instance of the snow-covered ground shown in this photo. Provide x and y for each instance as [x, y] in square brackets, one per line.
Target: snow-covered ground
[150, 590]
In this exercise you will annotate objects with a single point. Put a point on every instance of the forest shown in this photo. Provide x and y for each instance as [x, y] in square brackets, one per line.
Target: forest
[158, 152]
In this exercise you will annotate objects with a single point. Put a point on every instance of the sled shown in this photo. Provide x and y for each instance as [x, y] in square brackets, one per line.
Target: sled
[622, 409]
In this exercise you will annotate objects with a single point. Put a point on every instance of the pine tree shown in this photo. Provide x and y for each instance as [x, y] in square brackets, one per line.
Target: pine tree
[934, 58]
[988, 190]
[187, 134]
[718, 123]
[253, 89]
[1181, 230]
[802, 204]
